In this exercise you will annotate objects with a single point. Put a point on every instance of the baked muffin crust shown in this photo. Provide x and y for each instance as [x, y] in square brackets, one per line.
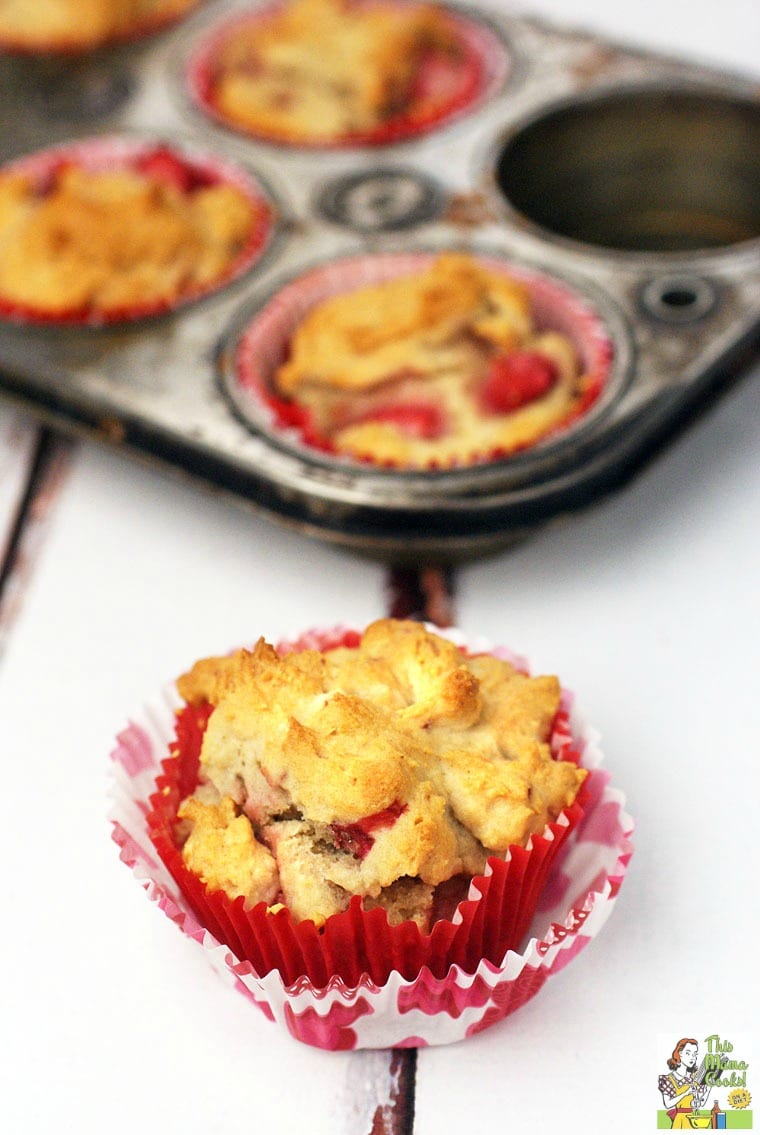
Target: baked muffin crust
[382, 771]
[317, 70]
[109, 240]
[439, 367]
[52, 24]
[222, 850]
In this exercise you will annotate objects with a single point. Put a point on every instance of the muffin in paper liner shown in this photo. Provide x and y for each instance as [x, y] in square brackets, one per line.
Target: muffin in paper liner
[264, 343]
[85, 40]
[446, 90]
[361, 983]
[163, 159]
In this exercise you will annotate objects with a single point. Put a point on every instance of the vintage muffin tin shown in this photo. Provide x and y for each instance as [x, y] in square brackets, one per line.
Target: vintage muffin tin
[632, 178]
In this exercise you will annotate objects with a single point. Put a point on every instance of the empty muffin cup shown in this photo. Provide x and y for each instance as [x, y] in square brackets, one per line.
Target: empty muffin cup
[114, 229]
[530, 365]
[655, 169]
[458, 64]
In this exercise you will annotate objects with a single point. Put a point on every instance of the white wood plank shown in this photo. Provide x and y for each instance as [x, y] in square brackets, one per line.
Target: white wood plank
[138, 576]
[648, 606]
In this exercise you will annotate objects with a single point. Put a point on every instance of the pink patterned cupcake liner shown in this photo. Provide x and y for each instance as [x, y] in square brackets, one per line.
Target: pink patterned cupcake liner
[448, 89]
[436, 1003]
[263, 345]
[120, 152]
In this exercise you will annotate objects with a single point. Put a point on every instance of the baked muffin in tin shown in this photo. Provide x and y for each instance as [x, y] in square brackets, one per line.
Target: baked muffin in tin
[345, 72]
[420, 361]
[79, 26]
[118, 228]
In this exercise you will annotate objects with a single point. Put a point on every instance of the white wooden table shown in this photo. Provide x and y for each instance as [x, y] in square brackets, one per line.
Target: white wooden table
[116, 577]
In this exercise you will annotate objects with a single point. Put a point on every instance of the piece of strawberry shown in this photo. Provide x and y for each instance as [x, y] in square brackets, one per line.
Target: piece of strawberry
[518, 378]
[47, 182]
[415, 419]
[357, 837]
[162, 165]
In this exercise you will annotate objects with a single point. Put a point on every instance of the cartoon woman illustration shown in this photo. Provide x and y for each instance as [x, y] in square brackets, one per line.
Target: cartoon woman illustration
[682, 1093]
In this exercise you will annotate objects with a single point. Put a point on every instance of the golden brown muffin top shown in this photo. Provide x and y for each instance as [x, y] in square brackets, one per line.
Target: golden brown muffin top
[270, 79]
[442, 365]
[109, 240]
[417, 323]
[84, 23]
[400, 759]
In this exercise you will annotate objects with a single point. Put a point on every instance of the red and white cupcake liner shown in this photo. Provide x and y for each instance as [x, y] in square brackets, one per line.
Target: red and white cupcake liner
[81, 45]
[391, 994]
[448, 89]
[109, 153]
[263, 345]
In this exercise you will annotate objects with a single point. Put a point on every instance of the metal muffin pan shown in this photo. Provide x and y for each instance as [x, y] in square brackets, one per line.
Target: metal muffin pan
[632, 177]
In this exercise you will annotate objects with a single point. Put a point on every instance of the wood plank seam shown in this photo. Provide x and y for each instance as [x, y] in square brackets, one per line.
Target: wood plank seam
[46, 477]
[425, 593]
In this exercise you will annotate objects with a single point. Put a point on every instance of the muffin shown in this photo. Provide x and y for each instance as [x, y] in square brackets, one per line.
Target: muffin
[105, 230]
[325, 813]
[385, 771]
[382, 770]
[82, 25]
[423, 361]
[333, 72]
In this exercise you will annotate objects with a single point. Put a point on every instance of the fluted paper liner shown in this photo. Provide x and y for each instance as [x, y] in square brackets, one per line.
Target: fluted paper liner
[359, 982]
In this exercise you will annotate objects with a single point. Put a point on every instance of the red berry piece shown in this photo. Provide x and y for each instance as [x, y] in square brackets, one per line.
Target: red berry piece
[415, 419]
[351, 838]
[48, 182]
[357, 838]
[516, 379]
[164, 166]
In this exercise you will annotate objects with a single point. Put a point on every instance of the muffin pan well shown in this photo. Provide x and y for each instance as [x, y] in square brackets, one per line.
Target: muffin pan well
[627, 179]
[659, 169]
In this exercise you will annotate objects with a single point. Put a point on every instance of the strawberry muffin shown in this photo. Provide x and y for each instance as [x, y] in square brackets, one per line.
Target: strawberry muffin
[102, 231]
[425, 362]
[390, 770]
[342, 72]
[82, 25]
